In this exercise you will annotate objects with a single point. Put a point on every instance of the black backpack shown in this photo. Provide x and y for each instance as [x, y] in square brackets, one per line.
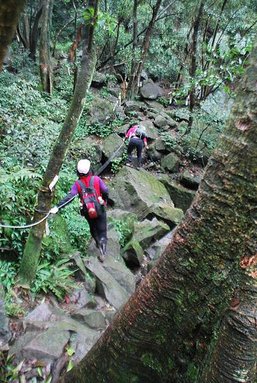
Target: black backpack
[91, 208]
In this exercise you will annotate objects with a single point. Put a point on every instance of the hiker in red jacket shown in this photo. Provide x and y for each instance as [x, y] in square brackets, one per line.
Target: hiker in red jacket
[96, 218]
[137, 140]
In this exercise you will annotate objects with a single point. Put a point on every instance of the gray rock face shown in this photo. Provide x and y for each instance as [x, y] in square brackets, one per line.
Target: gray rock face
[145, 233]
[111, 144]
[170, 162]
[101, 110]
[150, 90]
[190, 180]
[181, 196]
[138, 192]
[92, 318]
[107, 286]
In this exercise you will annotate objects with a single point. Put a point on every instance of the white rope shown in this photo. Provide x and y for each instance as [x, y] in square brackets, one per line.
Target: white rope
[34, 223]
[25, 226]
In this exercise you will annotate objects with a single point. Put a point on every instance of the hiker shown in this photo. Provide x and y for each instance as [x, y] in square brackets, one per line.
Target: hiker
[97, 225]
[137, 140]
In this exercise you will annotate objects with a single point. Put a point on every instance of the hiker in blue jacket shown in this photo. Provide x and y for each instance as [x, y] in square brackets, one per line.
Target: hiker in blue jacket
[97, 225]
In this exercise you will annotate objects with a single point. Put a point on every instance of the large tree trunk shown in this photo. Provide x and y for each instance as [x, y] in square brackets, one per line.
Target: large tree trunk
[162, 334]
[33, 245]
[44, 50]
[10, 11]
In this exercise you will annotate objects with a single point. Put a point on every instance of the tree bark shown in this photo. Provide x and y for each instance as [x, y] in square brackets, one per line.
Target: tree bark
[33, 245]
[45, 67]
[163, 332]
[235, 354]
[10, 11]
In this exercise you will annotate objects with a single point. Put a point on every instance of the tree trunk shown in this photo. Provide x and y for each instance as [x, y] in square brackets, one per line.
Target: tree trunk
[163, 332]
[193, 58]
[33, 245]
[137, 67]
[235, 354]
[44, 52]
[10, 11]
[34, 33]
[205, 90]
[131, 83]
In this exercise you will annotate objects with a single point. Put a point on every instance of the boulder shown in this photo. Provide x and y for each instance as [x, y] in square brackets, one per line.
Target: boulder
[133, 253]
[138, 191]
[120, 273]
[170, 163]
[134, 106]
[111, 144]
[107, 286]
[150, 90]
[92, 318]
[171, 215]
[99, 80]
[101, 110]
[191, 180]
[181, 196]
[145, 233]
[157, 248]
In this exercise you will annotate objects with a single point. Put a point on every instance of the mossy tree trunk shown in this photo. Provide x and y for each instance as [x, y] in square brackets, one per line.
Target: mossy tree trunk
[10, 11]
[33, 245]
[164, 331]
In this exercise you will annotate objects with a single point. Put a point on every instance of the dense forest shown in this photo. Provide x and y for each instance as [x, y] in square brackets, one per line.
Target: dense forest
[174, 300]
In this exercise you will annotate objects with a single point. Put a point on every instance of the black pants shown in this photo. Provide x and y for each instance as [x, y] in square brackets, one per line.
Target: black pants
[98, 227]
[138, 144]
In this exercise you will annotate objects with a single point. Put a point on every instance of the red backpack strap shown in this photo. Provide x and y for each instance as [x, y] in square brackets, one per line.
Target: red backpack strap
[96, 184]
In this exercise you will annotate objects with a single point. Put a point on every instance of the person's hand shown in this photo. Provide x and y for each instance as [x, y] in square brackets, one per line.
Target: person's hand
[147, 147]
[124, 139]
[54, 210]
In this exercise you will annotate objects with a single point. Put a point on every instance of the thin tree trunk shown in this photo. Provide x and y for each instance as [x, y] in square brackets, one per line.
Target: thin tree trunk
[131, 89]
[163, 332]
[193, 58]
[33, 245]
[10, 11]
[145, 47]
[44, 51]
[138, 66]
[205, 90]
[34, 33]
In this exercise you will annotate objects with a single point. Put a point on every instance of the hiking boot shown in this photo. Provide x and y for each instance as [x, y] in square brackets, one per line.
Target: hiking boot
[102, 248]
[103, 244]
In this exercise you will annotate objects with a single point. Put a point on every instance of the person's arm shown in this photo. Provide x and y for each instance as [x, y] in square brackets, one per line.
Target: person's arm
[145, 142]
[103, 189]
[66, 200]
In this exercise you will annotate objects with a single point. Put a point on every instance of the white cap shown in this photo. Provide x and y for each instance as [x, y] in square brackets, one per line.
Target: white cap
[83, 166]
